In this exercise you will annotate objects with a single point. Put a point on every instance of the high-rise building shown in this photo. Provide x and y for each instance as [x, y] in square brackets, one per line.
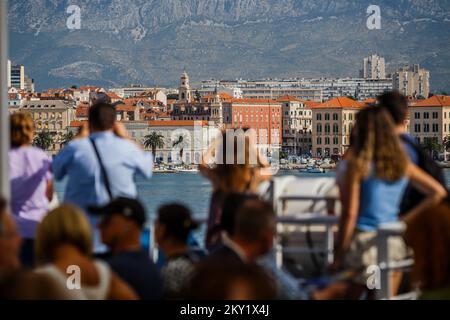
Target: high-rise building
[374, 67]
[16, 76]
[412, 81]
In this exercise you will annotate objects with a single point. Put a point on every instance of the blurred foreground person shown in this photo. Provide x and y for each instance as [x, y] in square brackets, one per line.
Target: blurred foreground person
[253, 235]
[31, 182]
[121, 225]
[228, 279]
[16, 283]
[172, 229]
[233, 165]
[428, 234]
[101, 164]
[397, 106]
[378, 172]
[63, 252]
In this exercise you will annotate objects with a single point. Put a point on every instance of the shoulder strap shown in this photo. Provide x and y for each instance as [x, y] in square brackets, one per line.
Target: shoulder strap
[102, 169]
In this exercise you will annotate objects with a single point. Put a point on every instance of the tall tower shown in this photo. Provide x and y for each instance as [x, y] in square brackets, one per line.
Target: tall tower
[217, 110]
[184, 90]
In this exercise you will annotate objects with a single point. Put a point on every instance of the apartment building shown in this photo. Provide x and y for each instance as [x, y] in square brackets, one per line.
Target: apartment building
[430, 119]
[412, 81]
[332, 123]
[297, 125]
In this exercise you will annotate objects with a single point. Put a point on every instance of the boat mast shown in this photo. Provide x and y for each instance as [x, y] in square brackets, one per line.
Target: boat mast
[4, 114]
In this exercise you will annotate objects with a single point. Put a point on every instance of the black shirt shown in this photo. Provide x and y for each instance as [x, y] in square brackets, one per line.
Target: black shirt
[138, 270]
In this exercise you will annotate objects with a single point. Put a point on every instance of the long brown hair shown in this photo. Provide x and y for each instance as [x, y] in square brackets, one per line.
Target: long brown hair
[375, 142]
[237, 176]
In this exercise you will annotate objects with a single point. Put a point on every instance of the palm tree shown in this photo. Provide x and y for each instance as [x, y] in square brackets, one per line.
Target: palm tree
[43, 140]
[180, 143]
[446, 146]
[154, 140]
[67, 137]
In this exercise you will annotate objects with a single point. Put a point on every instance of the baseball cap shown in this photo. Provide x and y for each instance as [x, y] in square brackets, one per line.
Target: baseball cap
[126, 207]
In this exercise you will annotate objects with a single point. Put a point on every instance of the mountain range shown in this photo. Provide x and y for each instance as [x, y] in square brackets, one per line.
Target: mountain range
[151, 41]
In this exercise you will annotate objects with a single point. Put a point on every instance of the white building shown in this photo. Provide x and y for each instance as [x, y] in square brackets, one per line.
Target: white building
[412, 81]
[16, 76]
[138, 90]
[374, 67]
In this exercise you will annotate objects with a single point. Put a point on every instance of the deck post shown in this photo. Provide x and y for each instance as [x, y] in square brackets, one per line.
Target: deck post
[4, 113]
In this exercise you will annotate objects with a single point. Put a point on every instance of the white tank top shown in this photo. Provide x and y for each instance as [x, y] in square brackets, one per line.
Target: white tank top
[98, 292]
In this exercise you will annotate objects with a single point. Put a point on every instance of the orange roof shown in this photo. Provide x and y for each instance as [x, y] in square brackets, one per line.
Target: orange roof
[310, 104]
[171, 101]
[123, 107]
[82, 111]
[222, 96]
[370, 101]
[113, 95]
[248, 100]
[289, 98]
[434, 101]
[77, 124]
[339, 103]
[177, 123]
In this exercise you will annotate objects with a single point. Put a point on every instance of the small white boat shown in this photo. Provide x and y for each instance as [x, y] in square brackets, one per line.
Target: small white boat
[188, 170]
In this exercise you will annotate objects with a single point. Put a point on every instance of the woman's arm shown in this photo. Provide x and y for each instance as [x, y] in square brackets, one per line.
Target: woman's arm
[347, 223]
[434, 192]
[119, 290]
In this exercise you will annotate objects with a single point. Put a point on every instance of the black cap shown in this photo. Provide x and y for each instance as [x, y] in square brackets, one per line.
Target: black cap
[126, 207]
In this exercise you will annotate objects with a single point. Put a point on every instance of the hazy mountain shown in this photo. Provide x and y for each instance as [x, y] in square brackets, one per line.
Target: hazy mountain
[150, 42]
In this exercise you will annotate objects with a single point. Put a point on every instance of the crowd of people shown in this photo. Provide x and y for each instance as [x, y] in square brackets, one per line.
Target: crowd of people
[89, 247]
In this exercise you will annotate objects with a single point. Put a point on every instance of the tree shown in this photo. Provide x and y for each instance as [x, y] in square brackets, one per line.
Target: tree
[43, 140]
[154, 140]
[181, 144]
[67, 137]
[432, 146]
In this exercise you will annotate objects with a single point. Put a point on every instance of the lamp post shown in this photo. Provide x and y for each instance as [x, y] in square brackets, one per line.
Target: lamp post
[4, 114]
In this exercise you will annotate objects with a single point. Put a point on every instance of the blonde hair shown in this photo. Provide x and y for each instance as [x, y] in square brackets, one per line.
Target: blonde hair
[66, 224]
[22, 129]
[375, 142]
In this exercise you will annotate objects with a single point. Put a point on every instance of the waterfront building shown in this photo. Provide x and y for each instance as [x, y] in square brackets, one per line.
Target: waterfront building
[412, 81]
[332, 123]
[297, 125]
[430, 119]
[53, 115]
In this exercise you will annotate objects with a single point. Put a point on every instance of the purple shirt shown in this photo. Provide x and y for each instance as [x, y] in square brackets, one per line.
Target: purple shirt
[30, 171]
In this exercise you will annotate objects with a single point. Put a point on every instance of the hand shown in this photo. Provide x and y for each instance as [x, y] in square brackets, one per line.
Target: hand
[120, 131]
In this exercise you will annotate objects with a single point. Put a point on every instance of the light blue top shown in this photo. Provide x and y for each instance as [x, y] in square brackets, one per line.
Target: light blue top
[379, 202]
[122, 160]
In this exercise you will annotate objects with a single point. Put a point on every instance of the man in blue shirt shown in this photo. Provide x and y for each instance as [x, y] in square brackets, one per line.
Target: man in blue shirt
[122, 159]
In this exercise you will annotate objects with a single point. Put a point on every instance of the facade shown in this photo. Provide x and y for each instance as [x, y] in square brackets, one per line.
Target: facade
[412, 81]
[332, 123]
[53, 115]
[374, 67]
[297, 125]
[16, 76]
[313, 89]
[430, 119]
[138, 90]
[192, 147]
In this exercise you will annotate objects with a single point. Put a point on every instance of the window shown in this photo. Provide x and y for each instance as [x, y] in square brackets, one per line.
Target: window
[426, 115]
[327, 128]
[327, 140]
[426, 127]
[435, 115]
[335, 116]
[319, 116]
[335, 140]
[327, 116]
[319, 127]
[417, 127]
[350, 116]
[335, 128]
[319, 140]
[435, 127]
[416, 115]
